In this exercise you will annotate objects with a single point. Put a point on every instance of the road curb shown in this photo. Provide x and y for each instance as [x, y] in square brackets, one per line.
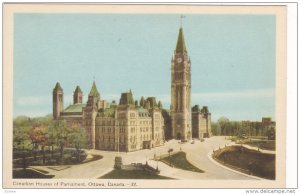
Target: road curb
[209, 155]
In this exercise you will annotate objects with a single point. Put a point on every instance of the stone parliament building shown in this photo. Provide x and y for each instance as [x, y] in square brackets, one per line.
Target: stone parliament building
[131, 125]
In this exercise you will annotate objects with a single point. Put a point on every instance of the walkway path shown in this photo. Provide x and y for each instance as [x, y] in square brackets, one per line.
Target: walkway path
[196, 154]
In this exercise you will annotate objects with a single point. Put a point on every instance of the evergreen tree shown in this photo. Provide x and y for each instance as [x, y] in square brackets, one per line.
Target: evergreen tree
[142, 102]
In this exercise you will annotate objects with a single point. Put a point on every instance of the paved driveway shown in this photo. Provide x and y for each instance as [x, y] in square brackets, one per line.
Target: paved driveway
[197, 154]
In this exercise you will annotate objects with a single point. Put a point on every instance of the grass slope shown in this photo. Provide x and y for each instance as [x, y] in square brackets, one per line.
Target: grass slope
[131, 174]
[249, 161]
[179, 160]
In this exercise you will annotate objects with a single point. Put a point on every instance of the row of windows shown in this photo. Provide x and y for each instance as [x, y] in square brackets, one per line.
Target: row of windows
[122, 129]
[145, 137]
[109, 122]
[122, 115]
[132, 122]
[132, 138]
[145, 122]
[111, 139]
[122, 122]
[144, 129]
[111, 130]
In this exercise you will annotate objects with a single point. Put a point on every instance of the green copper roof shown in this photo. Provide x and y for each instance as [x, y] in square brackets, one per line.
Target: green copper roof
[108, 112]
[74, 108]
[196, 108]
[143, 112]
[180, 46]
[204, 109]
[152, 101]
[94, 91]
[77, 90]
[126, 98]
[57, 87]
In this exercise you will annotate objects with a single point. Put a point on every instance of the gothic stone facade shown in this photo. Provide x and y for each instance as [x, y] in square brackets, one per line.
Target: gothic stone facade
[201, 122]
[117, 127]
[181, 91]
[128, 126]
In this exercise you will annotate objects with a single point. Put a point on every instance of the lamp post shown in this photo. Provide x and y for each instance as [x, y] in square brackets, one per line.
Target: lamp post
[169, 151]
[23, 158]
[35, 150]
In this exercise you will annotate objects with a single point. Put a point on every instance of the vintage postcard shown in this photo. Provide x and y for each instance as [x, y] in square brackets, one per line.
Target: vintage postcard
[144, 96]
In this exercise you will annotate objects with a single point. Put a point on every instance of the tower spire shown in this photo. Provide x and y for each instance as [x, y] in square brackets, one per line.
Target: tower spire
[94, 91]
[180, 46]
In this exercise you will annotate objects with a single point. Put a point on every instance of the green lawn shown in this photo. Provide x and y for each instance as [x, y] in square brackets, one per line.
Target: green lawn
[29, 174]
[179, 160]
[67, 159]
[131, 174]
[247, 161]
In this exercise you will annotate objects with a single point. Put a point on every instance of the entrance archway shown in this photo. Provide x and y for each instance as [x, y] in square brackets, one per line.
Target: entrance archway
[179, 136]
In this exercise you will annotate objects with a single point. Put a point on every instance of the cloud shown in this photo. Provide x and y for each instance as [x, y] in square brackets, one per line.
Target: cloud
[36, 101]
[250, 104]
[33, 100]
[242, 94]
[164, 98]
[222, 96]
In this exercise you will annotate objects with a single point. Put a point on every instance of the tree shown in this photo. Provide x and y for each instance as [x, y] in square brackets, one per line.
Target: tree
[77, 138]
[20, 137]
[235, 128]
[159, 104]
[59, 132]
[142, 101]
[224, 125]
[21, 130]
[39, 136]
[215, 128]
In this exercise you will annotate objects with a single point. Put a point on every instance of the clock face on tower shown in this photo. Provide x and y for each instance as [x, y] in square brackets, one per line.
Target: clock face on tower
[179, 60]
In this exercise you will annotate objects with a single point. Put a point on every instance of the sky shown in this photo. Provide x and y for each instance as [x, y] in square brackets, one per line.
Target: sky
[233, 60]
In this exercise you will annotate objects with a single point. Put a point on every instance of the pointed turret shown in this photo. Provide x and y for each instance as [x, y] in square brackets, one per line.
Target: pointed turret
[180, 46]
[77, 97]
[58, 104]
[142, 102]
[94, 91]
[77, 90]
[159, 104]
[57, 87]
[94, 96]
